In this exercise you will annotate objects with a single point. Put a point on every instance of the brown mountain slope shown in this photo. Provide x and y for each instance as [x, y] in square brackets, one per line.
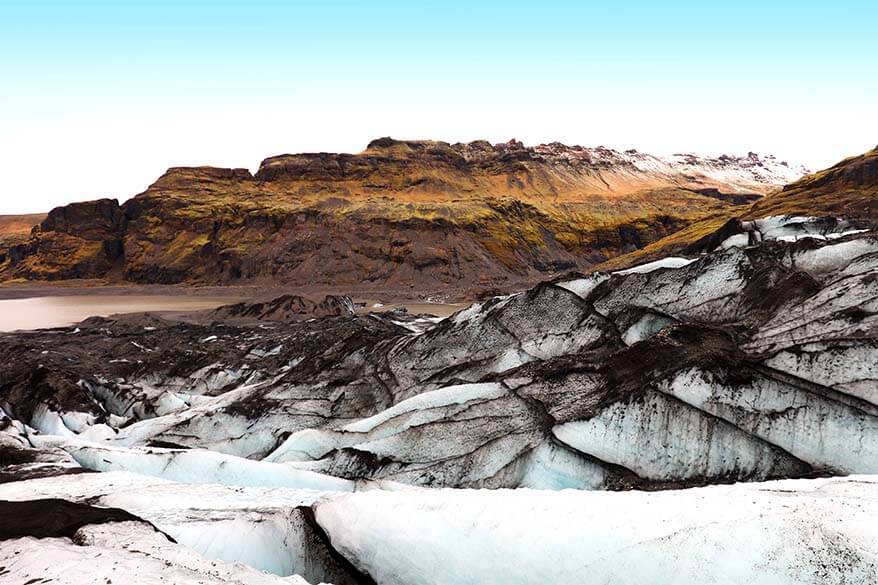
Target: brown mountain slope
[15, 229]
[408, 215]
[847, 190]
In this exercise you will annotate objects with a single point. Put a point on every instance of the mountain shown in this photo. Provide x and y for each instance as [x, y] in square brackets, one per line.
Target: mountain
[16, 229]
[847, 191]
[402, 214]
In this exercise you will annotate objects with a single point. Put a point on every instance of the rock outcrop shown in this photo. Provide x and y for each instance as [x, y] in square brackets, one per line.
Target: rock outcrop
[16, 229]
[285, 308]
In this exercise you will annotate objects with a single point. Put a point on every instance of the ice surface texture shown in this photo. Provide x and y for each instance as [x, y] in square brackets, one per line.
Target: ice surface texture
[752, 362]
[304, 449]
[775, 533]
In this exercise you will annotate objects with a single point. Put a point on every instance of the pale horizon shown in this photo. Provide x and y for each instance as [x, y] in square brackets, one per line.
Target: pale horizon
[106, 100]
[135, 179]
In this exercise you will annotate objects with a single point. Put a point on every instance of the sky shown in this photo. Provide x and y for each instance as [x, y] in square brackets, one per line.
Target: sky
[98, 98]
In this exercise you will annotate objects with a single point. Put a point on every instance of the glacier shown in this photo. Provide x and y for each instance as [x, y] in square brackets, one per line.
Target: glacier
[704, 418]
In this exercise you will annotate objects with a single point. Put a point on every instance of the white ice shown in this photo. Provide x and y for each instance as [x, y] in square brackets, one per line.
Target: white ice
[669, 262]
[250, 525]
[822, 432]
[779, 533]
[660, 438]
[417, 410]
[124, 552]
[583, 286]
[645, 327]
[193, 466]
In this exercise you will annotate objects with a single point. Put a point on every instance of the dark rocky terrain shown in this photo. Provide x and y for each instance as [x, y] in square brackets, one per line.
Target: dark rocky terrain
[672, 376]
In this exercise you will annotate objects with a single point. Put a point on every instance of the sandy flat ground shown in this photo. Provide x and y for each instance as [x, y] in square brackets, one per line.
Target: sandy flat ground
[21, 290]
[37, 306]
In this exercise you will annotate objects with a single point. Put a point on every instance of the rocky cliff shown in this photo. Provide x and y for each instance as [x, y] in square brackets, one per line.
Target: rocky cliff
[413, 215]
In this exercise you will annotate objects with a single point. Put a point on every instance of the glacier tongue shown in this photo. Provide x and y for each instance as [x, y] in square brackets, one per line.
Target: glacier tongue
[781, 334]
[325, 448]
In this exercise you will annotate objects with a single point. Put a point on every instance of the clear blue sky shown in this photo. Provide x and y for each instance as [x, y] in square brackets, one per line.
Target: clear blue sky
[98, 98]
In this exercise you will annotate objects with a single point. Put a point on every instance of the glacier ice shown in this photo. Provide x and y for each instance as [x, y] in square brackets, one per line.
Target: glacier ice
[777, 533]
[323, 448]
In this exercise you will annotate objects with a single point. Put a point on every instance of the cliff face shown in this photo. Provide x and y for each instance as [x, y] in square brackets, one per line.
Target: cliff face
[79, 240]
[416, 215]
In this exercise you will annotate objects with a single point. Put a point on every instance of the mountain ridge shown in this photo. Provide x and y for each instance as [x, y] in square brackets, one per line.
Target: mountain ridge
[846, 191]
[414, 215]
